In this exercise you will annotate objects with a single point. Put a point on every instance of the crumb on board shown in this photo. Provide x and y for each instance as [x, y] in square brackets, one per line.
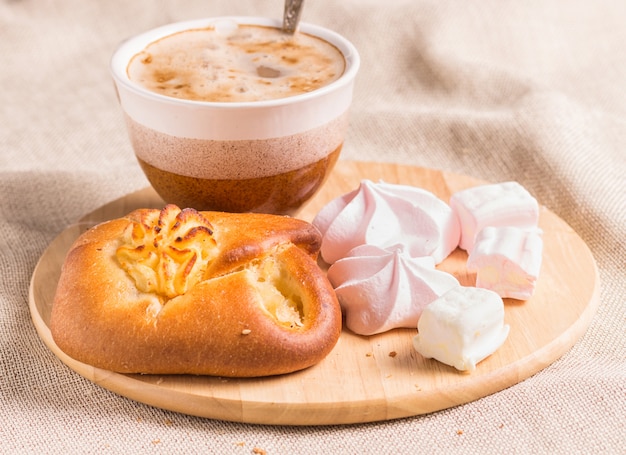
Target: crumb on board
[258, 451]
[393, 354]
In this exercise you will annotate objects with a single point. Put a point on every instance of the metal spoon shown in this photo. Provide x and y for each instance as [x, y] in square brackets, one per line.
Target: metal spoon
[291, 16]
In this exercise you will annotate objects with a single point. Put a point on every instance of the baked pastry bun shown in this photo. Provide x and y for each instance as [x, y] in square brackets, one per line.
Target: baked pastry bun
[185, 292]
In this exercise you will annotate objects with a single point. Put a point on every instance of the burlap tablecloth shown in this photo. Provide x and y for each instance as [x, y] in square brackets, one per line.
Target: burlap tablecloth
[533, 91]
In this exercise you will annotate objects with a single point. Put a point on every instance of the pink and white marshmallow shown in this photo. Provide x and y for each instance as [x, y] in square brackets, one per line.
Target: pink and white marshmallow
[507, 260]
[462, 327]
[498, 204]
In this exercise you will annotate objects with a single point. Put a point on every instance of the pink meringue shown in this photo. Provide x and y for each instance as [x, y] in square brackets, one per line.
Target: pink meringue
[385, 215]
[380, 289]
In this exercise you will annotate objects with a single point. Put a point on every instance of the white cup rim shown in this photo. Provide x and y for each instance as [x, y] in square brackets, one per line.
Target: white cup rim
[131, 46]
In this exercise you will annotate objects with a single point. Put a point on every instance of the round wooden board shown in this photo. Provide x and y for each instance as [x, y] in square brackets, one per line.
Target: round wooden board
[364, 379]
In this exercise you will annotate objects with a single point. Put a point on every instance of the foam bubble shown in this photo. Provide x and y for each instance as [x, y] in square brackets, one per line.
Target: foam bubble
[225, 27]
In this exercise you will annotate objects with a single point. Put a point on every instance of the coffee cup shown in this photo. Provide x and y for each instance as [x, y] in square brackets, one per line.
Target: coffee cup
[263, 138]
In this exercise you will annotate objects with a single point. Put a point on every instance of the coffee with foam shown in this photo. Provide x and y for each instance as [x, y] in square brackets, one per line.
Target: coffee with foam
[231, 63]
[232, 114]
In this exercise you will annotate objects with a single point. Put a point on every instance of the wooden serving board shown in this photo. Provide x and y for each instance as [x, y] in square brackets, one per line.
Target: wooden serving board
[363, 379]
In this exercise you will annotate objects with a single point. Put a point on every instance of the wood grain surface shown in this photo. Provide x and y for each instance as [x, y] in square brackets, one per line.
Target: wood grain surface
[364, 379]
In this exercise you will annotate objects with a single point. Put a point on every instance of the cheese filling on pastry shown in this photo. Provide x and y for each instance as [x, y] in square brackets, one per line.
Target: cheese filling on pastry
[167, 252]
[278, 296]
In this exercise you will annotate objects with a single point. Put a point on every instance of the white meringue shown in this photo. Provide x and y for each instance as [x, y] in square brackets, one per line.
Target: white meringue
[462, 327]
[384, 214]
[507, 260]
[497, 204]
[380, 289]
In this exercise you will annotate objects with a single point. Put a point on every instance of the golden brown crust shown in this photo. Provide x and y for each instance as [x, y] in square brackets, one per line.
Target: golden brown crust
[221, 326]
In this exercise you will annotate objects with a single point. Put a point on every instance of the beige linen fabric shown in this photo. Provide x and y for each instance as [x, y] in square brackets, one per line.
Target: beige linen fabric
[533, 91]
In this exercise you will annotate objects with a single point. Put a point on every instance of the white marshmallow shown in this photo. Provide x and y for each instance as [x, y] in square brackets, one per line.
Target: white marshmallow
[384, 215]
[507, 260]
[462, 327]
[498, 204]
[380, 290]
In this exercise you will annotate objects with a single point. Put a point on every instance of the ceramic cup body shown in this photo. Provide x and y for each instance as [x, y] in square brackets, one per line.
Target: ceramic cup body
[255, 156]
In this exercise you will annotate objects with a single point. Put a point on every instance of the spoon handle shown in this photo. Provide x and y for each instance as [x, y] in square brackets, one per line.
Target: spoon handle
[291, 16]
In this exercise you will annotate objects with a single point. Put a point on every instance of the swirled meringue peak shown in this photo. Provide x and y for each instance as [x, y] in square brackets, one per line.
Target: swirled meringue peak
[383, 289]
[384, 214]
